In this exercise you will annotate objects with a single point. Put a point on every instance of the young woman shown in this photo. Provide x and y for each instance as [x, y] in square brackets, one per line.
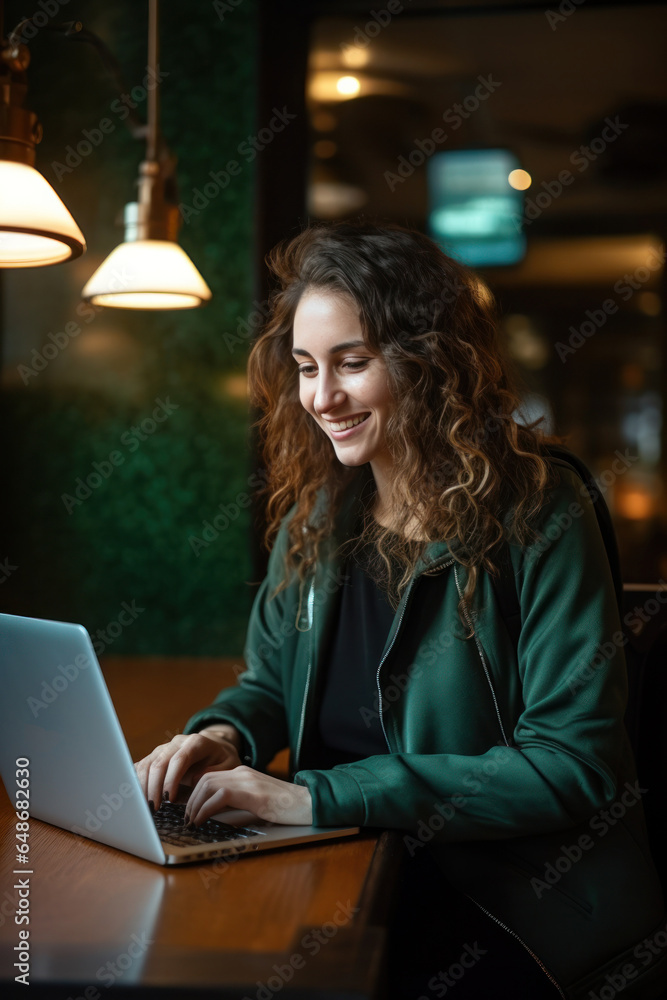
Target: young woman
[377, 652]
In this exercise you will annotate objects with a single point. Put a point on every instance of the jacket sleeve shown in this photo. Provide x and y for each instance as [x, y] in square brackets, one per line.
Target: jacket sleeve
[256, 704]
[567, 743]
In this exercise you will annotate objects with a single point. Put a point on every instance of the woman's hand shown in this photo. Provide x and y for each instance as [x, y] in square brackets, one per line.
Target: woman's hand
[184, 760]
[244, 788]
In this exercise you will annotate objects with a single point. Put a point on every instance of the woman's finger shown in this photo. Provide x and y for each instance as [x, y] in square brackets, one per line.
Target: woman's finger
[244, 788]
[143, 767]
[153, 768]
[210, 796]
[194, 757]
[156, 773]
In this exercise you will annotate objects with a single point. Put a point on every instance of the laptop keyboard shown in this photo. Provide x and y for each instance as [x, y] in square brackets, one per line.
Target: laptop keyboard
[170, 823]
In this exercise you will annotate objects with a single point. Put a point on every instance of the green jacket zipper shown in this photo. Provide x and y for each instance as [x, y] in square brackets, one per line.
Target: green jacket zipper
[509, 930]
[470, 625]
[309, 628]
[391, 646]
[521, 942]
[310, 615]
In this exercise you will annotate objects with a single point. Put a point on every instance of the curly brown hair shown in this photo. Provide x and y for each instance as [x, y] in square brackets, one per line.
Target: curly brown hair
[464, 470]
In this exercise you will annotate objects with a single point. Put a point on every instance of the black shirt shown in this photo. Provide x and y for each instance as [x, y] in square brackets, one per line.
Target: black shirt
[349, 721]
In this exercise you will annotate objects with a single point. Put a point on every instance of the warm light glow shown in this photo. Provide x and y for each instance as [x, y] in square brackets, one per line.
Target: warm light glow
[331, 199]
[636, 504]
[348, 86]
[35, 227]
[588, 260]
[235, 386]
[520, 180]
[525, 342]
[632, 376]
[324, 149]
[355, 57]
[324, 121]
[329, 87]
[649, 303]
[147, 274]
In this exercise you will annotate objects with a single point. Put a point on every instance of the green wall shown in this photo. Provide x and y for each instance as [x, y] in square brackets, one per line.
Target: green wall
[129, 537]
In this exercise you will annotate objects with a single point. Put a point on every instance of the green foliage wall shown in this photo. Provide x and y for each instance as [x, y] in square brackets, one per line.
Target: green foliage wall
[134, 532]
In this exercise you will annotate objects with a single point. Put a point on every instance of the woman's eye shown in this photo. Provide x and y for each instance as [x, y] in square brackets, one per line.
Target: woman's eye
[311, 370]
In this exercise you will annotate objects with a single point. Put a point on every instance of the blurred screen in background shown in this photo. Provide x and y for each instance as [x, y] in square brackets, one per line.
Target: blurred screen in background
[474, 213]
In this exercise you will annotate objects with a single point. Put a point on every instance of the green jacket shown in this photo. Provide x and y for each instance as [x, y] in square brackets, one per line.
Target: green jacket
[517, 775]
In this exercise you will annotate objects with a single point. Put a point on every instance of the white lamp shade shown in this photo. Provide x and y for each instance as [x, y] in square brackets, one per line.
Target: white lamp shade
[35, 227]
[147, 274]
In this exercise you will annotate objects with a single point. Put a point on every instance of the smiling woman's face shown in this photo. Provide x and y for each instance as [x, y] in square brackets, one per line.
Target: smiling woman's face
[343, 384]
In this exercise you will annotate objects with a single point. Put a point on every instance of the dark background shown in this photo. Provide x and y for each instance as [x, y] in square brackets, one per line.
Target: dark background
[129, 540]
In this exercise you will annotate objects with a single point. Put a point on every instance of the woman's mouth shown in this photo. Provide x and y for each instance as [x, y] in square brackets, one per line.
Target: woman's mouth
[344, 428]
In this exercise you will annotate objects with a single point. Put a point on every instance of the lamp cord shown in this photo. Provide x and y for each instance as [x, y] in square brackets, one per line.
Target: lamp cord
[75, 31]
[152, 134]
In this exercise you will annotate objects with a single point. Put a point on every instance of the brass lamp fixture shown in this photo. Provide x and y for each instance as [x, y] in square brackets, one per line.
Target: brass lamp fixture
[149, 270]
[35, 226]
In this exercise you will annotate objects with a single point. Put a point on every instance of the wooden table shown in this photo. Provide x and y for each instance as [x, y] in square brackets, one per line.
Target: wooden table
[301, 921]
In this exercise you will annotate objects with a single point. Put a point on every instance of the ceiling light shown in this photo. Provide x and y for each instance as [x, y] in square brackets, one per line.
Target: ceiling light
[348, 86]
[149, 270]
[520, 180]
[354, 56]
[35, 226]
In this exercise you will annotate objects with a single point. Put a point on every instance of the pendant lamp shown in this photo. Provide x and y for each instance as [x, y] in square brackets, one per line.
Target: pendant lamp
[149, 270]
[35, 226]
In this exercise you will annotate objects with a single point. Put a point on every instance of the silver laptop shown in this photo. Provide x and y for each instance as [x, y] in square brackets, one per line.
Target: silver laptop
[64, 756]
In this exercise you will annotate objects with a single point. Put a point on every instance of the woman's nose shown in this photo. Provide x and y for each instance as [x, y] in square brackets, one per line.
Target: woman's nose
[328, 394]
